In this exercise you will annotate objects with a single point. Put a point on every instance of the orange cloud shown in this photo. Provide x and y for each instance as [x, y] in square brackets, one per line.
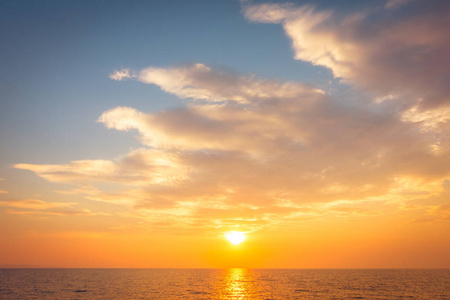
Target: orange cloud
[34, 204]
[45, 208]
[436, 214]
[56, 212]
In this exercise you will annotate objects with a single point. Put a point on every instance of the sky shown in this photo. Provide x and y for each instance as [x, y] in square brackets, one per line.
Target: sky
[137, 134]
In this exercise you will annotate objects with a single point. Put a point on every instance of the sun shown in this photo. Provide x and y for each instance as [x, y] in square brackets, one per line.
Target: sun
[235, 237]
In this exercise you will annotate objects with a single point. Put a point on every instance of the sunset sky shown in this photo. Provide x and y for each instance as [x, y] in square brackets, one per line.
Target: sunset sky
[139, 133]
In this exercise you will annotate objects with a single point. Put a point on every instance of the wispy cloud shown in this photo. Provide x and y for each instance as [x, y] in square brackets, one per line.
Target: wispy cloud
[200, 82]
[392, 4]
[97, 169]
[55, 212]
[44, 208]
[34, 204]
[436, 214]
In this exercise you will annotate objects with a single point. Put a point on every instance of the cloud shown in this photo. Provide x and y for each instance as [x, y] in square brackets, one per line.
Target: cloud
[34, 204]
[436, 214]
[200, 82]
[45, 208]
[392, 4]
[251, 152]
[430, 120]
[121, 75]
[387, 53]
[255, 152]
[70, 172]
[139, 167]
[56, 212]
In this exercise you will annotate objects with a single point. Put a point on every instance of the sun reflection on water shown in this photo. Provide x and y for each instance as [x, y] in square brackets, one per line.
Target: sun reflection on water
[239, 283]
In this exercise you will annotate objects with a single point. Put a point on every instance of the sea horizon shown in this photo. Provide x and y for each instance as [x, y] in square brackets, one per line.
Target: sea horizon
[218, 268]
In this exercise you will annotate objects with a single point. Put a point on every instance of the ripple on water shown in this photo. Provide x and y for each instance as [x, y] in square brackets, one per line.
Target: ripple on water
[224, 284]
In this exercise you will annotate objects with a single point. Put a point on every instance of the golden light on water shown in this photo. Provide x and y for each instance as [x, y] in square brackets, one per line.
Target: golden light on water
[239, 284]
[235, 237]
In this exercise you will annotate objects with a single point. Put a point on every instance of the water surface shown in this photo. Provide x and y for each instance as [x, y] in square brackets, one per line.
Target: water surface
[223, 284]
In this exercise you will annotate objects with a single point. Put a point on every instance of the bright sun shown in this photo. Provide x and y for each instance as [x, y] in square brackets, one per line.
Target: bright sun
[235, 237]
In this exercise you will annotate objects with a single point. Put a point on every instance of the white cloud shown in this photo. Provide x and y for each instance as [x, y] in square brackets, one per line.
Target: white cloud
[121, 75]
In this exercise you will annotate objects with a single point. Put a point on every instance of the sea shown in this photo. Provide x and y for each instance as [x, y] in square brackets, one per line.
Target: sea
[224, 284]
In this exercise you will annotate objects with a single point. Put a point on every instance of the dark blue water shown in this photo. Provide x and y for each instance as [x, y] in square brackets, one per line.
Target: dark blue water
[223, 284]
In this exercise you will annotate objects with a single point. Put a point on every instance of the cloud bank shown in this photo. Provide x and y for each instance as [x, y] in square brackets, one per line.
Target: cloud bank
[249, 152]
[388, 53]
[255, 155]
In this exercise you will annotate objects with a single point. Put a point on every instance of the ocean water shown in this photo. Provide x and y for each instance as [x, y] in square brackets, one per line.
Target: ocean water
[223, 284]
